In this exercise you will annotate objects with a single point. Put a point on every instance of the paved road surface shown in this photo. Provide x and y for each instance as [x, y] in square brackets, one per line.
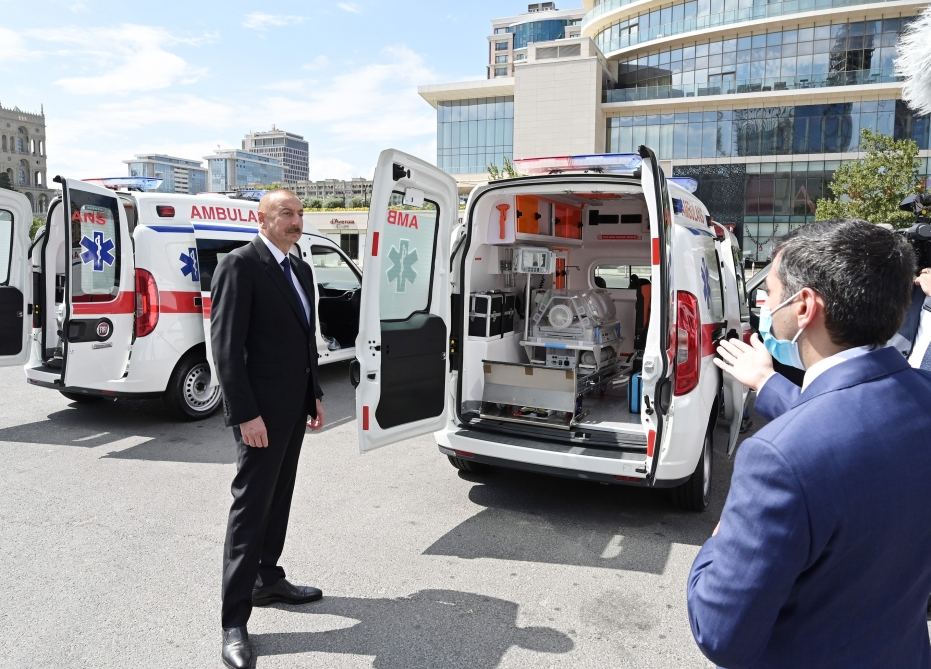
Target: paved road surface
[111, 533]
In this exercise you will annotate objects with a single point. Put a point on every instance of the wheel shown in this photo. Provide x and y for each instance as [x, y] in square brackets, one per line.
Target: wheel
[694, 494]
[189, 393]
[468, 466]
[81, 398]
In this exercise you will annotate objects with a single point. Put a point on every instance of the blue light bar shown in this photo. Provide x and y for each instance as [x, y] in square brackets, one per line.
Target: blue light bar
[126, 183]
[686, 183]
[615, 163]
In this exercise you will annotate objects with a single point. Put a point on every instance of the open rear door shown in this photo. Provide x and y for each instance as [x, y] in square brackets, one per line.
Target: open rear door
[737, 309]
[100, 291]
[657, 368]
[403, 340]
[213, 243]
[15, 278]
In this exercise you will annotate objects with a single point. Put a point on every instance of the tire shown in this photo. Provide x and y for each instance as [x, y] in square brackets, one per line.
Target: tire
[468, 466]
[695, 494]
[80, 398]
[188, 394]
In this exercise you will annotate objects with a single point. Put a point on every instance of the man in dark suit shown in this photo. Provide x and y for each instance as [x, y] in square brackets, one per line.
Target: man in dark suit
[264, 347]
[821, 555]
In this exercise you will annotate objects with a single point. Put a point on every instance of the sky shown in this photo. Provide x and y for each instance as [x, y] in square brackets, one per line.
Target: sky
[118, 79]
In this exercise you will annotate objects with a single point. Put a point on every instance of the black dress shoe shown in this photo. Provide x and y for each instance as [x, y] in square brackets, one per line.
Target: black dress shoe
[237, 649]
[282, 591]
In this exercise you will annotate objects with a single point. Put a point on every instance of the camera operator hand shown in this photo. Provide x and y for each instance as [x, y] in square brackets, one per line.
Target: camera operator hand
[924, 280]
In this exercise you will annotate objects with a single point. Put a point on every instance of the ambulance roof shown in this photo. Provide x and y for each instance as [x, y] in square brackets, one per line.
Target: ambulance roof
[176, 209]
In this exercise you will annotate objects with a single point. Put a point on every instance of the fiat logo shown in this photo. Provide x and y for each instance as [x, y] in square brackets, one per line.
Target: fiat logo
[103, 329]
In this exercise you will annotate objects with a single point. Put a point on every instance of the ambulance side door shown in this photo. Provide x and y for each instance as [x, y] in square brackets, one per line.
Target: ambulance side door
[401, 367]
[15, 278]
[214, 242]
[100, 285]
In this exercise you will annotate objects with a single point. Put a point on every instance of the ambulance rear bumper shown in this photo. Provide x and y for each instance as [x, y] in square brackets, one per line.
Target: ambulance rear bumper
[607, 465]
[38, 376]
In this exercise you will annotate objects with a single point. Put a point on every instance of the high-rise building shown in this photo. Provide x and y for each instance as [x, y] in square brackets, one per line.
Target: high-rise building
[178, 175]
[761, 101]
[289, 149]
[229, 169]
[22, 155]
[510, 36]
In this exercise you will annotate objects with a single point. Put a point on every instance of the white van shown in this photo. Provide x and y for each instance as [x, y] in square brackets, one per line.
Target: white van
[521, 343]
[115, 303]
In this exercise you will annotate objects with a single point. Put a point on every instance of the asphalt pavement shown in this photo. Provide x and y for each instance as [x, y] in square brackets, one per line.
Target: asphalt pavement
[111, 534]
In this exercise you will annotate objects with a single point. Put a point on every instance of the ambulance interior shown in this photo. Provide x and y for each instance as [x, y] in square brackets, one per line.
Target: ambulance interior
[556, 307]
[339, 294]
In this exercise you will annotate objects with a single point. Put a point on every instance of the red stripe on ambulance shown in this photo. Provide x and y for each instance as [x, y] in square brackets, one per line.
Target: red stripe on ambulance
[125, 303]
[179, 302]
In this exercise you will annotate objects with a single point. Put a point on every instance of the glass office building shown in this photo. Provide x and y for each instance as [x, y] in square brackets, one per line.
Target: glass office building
[231, 169]
[760, 101]
[290, 149]
[472, 134]
[178, 175]
[511, 36]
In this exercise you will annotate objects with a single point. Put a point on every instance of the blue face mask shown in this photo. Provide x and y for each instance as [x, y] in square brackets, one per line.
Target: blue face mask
[784, 350]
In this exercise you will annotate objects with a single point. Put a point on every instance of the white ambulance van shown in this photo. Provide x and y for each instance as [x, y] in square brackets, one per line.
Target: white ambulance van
[522, 342]
[113, 299]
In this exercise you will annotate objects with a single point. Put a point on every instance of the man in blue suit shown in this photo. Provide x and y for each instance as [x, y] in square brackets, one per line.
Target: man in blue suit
[752, 364]
[821, 557]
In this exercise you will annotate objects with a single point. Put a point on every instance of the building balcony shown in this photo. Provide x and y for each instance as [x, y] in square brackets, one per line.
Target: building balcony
[730, 87]
[631, 36]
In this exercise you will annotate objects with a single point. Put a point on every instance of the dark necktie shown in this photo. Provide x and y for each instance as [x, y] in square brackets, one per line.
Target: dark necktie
[286, 267]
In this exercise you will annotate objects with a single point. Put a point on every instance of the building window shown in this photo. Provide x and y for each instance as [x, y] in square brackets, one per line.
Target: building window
[349, 243]
[472, 134]
[859, 52]
[501, 71]
[501, 46]
[501, 59]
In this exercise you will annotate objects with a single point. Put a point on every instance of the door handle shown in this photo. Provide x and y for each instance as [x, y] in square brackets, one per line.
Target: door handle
[355, 373]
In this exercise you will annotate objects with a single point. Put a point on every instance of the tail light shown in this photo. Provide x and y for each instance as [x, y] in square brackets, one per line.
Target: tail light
[146, 303]
[745, 332]
[688, 343]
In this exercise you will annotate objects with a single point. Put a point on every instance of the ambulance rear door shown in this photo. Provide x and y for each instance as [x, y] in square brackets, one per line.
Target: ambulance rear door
[214, 242]
[15, 278]
[98, 328]
[657, 367]
[401, 370]
[737, 310]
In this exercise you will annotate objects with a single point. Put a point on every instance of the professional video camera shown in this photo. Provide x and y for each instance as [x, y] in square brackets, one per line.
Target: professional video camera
[919, 234]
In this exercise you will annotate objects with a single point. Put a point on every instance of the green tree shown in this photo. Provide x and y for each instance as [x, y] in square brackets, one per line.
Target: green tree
[313, 203]
[506, 172]
[37, 222]
[334, 203]
[873, 187]
[5, 181]
[358, 202]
